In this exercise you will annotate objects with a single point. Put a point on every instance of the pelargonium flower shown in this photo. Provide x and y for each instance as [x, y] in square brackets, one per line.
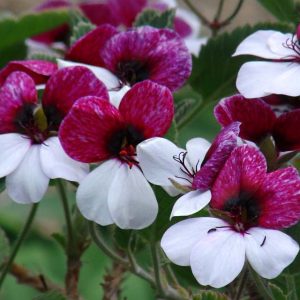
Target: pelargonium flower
[191, 171]
[130, 57]
[30, 151]
[258, 120]
[251, 207]
[38, 70]
[279, 74]
[95, 131]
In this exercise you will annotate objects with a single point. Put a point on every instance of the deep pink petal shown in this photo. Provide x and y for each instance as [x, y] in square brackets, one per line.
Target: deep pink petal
[256, 117]
[156, 54]
[87, 129]
[182, 27]
[126, 11]
[17, 98]
[149, 107]
[39, 70]
[280, 199]
[224, 143]
[286, 131]
[68, 85]
[87, 49]
[243, 173]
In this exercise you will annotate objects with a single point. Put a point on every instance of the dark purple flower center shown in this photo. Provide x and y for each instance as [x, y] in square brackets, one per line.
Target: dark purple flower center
[132, 71]
[243, 211]
[122, 144]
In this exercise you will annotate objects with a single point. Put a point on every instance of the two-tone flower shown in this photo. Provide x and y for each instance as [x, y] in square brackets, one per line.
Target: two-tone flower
[191, 171]
[251, 206]
[30, 152]
[95, 131]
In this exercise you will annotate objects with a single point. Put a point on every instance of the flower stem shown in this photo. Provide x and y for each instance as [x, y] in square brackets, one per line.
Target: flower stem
[234, 13]
[219, 10]
[243, 280]
[19, 242]
[203, 19]
[156, 266]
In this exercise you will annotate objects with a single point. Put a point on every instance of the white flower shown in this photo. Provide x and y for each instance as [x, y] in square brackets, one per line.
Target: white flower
[279, 75]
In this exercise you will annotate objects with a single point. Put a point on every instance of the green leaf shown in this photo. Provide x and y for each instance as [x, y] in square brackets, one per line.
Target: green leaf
[214, 71]
[60, 239]
[210, 295]
[155, 18]
[183, 109]
[277, 292]
[16, 51]
[2, 184]
[52, 295]
[122, 237]
[283, 10]
[4, 247]
[15, 30]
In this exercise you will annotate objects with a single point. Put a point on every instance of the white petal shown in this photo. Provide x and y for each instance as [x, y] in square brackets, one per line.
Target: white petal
[256, 79]
[156, 160]
[269, 251]
[278, 44]
[131, 200]
[194, 44]
[57, 164]
[115, 97]
[286, 82]
[13, 148]
[190, 203]
[218, 258]
[179, 240]
[28, 183]
[171, 190]
[107, 77]
[197, 149]
[92, 194]
[262, 43]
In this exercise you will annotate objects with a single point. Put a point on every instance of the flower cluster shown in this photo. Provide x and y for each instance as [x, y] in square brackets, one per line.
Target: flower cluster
[108, 105]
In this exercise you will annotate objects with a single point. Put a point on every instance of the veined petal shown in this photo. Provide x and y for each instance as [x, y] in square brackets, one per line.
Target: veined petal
[68, 85]
[87, 49]
[131, 200]
[156, 158]
[218, 258]
[57, 164]
[86, 130]
[107, 77]
[149, 107]
[179, 240]
[92, 194]
[190, 203]
[257, 79]
[197, 149]
[28, 183]
[13, 148]
[18, 93]
[38, 70]
[269, 251]
[248, 112]
[262, 43]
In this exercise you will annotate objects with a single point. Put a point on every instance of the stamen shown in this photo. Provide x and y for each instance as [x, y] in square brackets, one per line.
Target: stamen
[181, 159]
[263, 242]
[295, 46]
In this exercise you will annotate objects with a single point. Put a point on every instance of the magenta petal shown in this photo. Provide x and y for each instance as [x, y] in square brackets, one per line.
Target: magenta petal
[243, 172]
[17, 93]
[39, 70]
[86, 130]
[149, 107]
[87, 49]
[182, 27]
[224, 143]
[286, 131]
[256, 117]
[280, 199]
[157, 54]
[68, 85]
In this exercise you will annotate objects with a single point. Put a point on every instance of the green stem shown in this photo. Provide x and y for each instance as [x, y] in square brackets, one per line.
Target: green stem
[203, 19]
[156, 265]
[243, 280]
[19, 242]
[64, 200]
[261, 287]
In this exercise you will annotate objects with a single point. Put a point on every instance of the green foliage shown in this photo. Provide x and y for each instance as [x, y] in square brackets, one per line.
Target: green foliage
[52, 295]
[155, 18]
[294, 232]
[12, 52]
[2, 184]
[15, 30]
[282, 10]
[80, 26]
[4, 247]
[277, 292]
[214, 71]
[210, 295]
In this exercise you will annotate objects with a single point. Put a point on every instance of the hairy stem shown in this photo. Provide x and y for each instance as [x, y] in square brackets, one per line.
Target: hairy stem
[19, 242]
